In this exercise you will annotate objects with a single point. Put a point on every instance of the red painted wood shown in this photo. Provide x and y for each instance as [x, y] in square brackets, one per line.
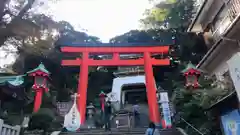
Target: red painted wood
[116, 56]
[76, 62]
[151, 89]
[156, 49]
[147, 61]
[38, 100]
[82, 87]
[39, 73]
[116, 62]
[160, 62]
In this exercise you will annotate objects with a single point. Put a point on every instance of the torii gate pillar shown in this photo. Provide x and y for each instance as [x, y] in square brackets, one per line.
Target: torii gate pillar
[82, 87]
[151, 89]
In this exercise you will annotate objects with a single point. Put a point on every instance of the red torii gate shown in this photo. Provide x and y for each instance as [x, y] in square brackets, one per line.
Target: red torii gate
[147, 61]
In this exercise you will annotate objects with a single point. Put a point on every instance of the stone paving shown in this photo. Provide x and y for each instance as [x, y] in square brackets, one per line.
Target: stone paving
[124, 131]
[144, 120]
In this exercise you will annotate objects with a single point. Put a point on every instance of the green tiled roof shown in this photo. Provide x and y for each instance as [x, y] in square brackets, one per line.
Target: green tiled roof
[41, 67]
[190, 66]
[13, 80]
[102, 92]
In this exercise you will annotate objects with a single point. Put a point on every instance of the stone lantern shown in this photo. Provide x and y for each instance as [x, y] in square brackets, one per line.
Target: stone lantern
[90, 114]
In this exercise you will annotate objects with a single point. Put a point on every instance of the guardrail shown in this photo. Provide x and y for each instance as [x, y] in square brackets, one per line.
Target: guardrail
[9, 130]
[182, 131]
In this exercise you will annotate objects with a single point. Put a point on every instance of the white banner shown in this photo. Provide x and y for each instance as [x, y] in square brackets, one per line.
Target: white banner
[166, 114]
[72, 119]
[234, 69]
[164, 97]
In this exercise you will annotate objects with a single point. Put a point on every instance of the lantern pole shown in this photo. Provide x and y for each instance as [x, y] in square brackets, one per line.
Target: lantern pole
[38, 99]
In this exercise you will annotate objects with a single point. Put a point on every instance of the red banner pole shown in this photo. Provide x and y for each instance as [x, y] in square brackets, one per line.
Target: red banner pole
[151, 89]
[82, 87]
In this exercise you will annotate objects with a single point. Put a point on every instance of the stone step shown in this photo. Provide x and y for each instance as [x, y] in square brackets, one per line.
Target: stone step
[135, 131]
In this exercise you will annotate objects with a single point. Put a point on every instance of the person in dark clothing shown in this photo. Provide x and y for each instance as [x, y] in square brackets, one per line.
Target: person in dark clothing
[107, 115]
[136, 114]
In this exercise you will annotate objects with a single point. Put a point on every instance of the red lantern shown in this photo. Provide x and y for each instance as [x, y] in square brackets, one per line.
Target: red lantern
[102, 97]
[191, 74]
[41, 77]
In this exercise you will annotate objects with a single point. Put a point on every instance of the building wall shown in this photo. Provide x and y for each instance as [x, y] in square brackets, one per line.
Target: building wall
[119, 82]
[211, 10]
[218, 65]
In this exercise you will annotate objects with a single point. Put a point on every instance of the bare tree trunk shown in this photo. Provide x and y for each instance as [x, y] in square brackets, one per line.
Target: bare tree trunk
[26, 8]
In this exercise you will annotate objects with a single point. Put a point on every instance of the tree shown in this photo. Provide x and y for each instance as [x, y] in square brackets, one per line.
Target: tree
[18, 23]
[44, 47]
[46, 50]
[13, 19]
[169, 14]
[185, 47]
[192, 105]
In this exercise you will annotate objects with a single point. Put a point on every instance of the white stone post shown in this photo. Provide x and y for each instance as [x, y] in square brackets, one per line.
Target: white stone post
[1, 125]
[18, 129]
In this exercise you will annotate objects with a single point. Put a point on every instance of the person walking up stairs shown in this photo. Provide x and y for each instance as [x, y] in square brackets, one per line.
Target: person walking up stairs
[152, 130]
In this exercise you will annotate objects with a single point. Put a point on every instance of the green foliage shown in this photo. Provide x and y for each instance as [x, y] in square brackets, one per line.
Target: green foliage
[169, 14]
[42, 120]
[19, 23]
[46, 49]
[191, 106]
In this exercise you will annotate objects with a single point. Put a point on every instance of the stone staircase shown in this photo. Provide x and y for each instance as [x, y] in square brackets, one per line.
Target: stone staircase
[144, 121]
[135, 131]
[144, 115]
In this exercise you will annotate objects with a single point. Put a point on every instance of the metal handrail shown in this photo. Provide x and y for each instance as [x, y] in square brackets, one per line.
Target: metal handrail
[130, 118]
[199, 132]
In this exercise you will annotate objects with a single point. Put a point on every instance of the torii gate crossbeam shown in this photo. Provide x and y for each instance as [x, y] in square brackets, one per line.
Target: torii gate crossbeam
[147, 61]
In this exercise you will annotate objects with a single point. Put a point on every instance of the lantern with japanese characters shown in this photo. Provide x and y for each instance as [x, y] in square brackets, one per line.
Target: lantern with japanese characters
[41, 85]
[191, 74]
[102, 97]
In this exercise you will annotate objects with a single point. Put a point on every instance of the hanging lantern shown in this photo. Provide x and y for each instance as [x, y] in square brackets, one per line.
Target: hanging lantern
[41, 84]
[191, 74]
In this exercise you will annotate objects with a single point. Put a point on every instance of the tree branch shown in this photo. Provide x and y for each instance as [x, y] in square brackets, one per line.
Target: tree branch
[2, 8]
[26, 8]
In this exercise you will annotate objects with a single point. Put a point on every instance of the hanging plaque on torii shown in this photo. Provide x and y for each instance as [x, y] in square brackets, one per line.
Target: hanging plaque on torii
[147, 61]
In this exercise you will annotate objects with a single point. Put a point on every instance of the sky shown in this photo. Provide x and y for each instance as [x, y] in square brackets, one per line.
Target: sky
[102, 18]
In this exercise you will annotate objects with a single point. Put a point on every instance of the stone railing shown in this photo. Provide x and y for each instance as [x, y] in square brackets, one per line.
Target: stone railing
[9, 130]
